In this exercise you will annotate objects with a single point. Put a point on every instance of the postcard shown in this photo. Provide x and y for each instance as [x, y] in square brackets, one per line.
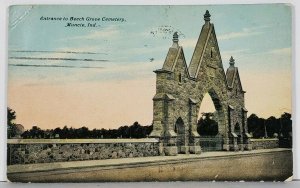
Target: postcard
[149, 93]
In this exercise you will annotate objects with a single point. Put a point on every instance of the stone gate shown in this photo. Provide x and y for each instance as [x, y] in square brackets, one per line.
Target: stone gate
[181, 88]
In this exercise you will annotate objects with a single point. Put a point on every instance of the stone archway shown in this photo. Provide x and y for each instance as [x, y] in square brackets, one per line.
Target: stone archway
[180, 90]
[220, 111]
[215, 142]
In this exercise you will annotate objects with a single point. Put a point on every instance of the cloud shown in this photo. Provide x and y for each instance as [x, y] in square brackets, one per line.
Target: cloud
[57, 58]
[47, 51]
[88, 49]
[234, 53]
[109, 32]
[244, 33]
[55, 66]
[142, 50]
[277, 54]
[188, 43]
[281, 51]
[127, 71]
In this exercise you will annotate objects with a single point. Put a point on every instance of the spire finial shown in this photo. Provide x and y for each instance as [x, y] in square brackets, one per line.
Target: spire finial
[207, 16]
[175, 37]
[175, 40]
[231, 61]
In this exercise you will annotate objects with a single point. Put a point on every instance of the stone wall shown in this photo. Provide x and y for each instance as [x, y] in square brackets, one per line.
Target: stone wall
[265, 143]
[256, 165]
[27, 151]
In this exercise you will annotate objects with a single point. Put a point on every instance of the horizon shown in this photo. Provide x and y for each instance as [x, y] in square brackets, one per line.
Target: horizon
[78, 76]
[130, 124]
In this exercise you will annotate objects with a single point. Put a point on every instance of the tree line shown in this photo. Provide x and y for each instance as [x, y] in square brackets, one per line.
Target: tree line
[133, 131]
[258, 127]
[207, 125]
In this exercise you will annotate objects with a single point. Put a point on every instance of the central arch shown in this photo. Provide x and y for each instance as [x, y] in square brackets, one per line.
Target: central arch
[207, 121]
[221, 112]
[214, 142]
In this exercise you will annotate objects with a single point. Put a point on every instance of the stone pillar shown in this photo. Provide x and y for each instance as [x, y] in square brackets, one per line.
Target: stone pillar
[226, 146]
[241, 141]
[247, 136]
[232, 136]
[222, 122]
[194, 137]
[244, 119]
[170, 136]
[158, 116]
[235, 146]
[223, 126]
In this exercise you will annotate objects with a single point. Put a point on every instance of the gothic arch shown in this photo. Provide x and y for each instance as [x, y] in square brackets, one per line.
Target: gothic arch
[219, 106]
[180, 90]
[180, 130]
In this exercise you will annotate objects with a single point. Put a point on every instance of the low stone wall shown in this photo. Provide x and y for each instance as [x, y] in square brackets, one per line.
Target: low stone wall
[28, 151]
[256, 165]
[267, 143]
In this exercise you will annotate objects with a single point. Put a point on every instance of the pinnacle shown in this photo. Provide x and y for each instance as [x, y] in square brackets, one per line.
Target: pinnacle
[207, 16]
[231, 61]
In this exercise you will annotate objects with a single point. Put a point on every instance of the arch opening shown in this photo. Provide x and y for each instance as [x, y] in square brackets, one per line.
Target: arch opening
[180, 131]
[237, 129]
[207, 121]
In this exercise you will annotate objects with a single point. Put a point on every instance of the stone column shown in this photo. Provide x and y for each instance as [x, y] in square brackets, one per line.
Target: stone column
[232, 136]
[241, 139]
[158, 116]
[158, 120]
[170, 147]
[244, 119]
[247, 136]
[194, 137]
[158, 105]
[223, 126]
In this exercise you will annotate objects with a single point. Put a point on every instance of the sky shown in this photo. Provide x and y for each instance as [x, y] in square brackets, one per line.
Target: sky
[102, 77]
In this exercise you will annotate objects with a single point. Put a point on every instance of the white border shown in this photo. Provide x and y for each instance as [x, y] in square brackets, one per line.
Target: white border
[3, 58]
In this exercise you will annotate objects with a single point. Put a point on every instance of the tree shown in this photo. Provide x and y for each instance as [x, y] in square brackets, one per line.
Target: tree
[64, 133]
[83, 132]
[256, 126]
[36, 132]
[272, 126]
[286, 124]
[11, 126]
[207, 125]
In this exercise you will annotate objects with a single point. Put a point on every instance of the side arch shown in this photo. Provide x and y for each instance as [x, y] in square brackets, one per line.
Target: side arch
[180, 129]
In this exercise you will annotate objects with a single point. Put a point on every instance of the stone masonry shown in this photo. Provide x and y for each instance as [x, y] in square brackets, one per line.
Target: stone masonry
[181, 88]
[267, 143]
[70, 150]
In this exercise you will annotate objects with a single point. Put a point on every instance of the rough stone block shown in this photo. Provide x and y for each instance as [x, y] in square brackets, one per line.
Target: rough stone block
[248, 147]
[226, 147]
[171, 150]
[114, 155]
[183, 149]
[195, 149]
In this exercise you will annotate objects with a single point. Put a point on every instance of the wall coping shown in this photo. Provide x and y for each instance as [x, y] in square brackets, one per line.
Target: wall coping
[265, 139]
[80, 141]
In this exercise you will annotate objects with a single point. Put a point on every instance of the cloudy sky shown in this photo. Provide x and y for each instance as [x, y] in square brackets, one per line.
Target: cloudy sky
[102, 77]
